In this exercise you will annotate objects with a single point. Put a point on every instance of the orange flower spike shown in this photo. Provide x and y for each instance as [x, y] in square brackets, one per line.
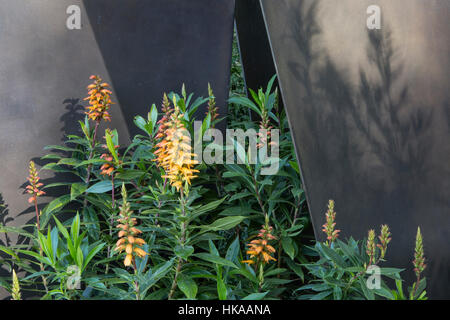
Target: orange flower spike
[174, 151]
[128, 240]
[34, 186]
[259, 249]
[328, 227]
[99, 100]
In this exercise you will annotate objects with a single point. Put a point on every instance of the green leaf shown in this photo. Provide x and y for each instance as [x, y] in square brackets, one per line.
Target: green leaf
[296, 268]
[68, 162]
[75, 228]
[110, 144]
[153, 115]
[184, 252]
[322, 295]
[221, 288]
[80, 258]
[288, 247]
[215, 259]
[256, 296]
[53, 207]
[383, 292]
[92, 253]
[9, 251]
[188, 287]
[224, 223]
[331, 254]
[206, 208]
[76, 190]
[100, 187]
[245, 102]
[130, 174]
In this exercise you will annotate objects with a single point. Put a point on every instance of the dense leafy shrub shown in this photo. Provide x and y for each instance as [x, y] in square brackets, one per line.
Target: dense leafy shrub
[143, 225]
[350, 269]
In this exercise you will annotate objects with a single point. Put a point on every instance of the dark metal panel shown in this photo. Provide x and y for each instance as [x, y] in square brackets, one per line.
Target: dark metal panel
[370, 116]
[141, 47]
[254, 44]
[151, 47]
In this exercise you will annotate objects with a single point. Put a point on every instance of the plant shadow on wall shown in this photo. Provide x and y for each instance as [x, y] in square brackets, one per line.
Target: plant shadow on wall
[75, 113]
[366, 143]
[366, 121]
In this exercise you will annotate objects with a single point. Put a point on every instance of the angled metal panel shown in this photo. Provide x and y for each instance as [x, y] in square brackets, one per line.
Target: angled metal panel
[370, 117]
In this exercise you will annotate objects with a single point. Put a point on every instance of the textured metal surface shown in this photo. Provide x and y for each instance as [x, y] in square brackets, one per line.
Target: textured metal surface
[369, 112]
[142, 48]
[254, 45]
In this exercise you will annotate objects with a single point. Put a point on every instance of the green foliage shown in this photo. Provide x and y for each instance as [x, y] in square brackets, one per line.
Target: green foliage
[195, 239]
[343, 271]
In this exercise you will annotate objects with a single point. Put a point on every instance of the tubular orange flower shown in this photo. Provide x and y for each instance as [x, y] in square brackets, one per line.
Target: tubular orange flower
[127, 234]
[328, 227]
[259, 249]
[99, 100]
[34, 186]
[174, 151]
[34, 190]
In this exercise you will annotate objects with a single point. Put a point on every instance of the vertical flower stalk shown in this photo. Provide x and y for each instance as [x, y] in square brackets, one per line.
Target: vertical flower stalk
[164, 122]
[35, 192]
[212, 108]
[265, 127]
[99, 97]
[109, 169]
[174, 152]
[15, 290]
[174, 155]
[384, 238]
[330, 224]
[419, 259]
[260, 251]
[213, 111]
[371, 246]
[34, 189]
[128, 238]
[128, 234]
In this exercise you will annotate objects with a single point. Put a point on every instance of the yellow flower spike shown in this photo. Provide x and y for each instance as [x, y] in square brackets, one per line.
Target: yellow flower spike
[99, 100]
[128, 240]
[259, 249]
[15, 292]
[174, 150]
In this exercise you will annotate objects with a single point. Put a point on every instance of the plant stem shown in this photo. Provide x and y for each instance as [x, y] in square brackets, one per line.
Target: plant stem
[258, 196]
[136, 283]
[413, 293]
[111, 222]
[89, 169]
[174, 282]
[182, 240]
[44, 280]
[37, 213]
